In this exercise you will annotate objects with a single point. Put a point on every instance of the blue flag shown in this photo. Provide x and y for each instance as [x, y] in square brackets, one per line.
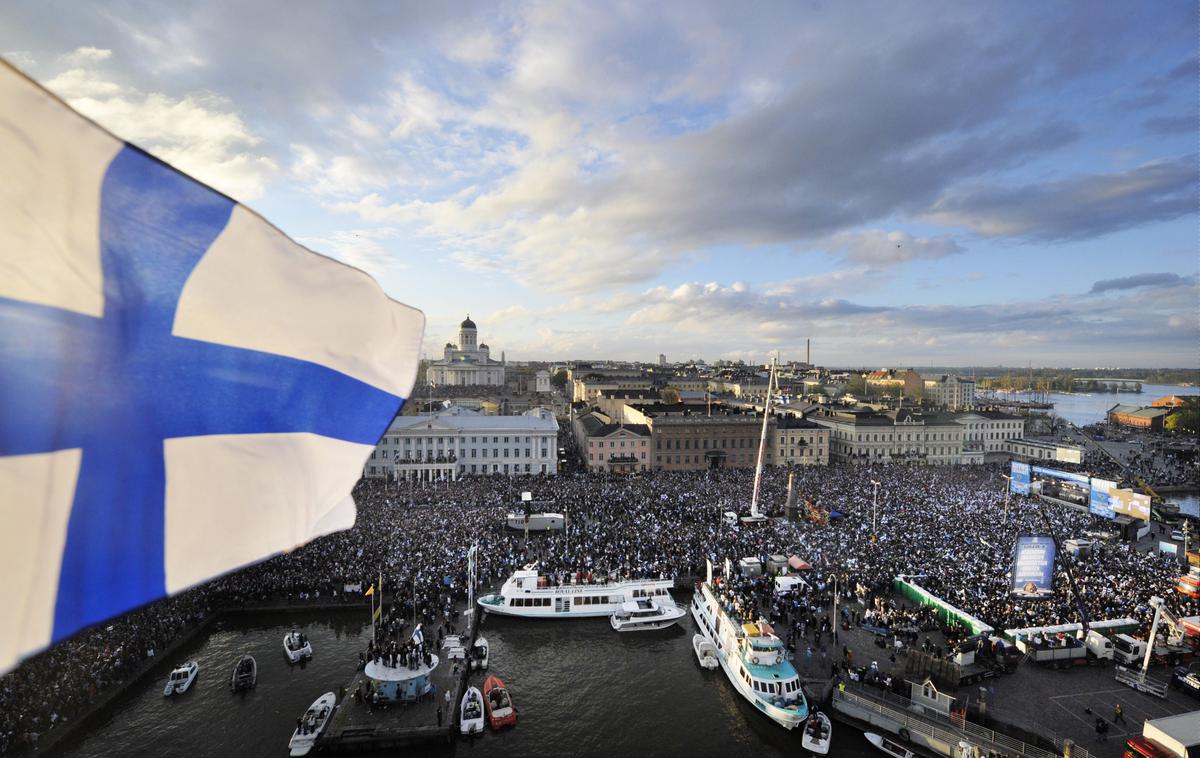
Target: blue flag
[183, 389]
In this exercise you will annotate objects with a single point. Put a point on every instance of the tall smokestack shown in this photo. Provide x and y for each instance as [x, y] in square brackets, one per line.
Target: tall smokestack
[808, 351]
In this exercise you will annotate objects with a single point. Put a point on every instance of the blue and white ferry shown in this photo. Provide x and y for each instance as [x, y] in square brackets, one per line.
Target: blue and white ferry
[752, 657]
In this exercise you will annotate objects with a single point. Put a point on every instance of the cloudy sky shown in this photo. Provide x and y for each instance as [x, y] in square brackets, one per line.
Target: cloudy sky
[905, 183]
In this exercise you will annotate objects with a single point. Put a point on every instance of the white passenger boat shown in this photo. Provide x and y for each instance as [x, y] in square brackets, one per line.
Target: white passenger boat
[296, 646]
[894, 749]
[538, 522]
[530, 595]
[479, 654]
[181, 678]
[470, 715]
[646, 614]
[752, 657]
[312, 723]
[818, 733]
[706, 652]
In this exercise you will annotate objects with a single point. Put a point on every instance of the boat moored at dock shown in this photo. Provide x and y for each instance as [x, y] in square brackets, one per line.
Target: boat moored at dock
[752, 657]
[470, 716]
[312, 723]
[818, 734]
[500, 709]
[531, 595]
[645, 614]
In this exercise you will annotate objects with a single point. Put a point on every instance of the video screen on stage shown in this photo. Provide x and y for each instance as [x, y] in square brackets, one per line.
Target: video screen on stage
[1019, 483]
[1033, 567]
[1129, 503]
[1098, 503]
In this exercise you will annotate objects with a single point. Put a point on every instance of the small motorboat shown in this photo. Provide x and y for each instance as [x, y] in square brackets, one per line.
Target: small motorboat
[818, 733]
[470, 715]
[499, 705]
[479, 654]
[894, 749]
[645, 614]
[245, 674]
[296, 647]
[706, 652]
[181, 678]
[312, 723]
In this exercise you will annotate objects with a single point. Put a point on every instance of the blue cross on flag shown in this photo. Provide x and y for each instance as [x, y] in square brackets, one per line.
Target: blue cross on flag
[183, 389]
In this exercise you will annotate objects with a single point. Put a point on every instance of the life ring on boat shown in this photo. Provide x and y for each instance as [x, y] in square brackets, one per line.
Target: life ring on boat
[904, 734]
[754, 659]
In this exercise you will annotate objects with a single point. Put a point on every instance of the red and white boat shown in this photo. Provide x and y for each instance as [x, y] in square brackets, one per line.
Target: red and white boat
[499, 705]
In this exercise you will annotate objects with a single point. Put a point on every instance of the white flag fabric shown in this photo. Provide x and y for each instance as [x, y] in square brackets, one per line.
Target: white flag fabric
[183, 389]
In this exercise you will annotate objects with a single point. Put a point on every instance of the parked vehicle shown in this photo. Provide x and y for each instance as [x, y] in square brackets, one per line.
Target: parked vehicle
[1127, 650]
[1187, 678]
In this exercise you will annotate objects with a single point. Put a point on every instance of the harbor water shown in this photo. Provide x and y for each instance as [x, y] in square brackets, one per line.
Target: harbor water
[580, 689]
[1090, 408]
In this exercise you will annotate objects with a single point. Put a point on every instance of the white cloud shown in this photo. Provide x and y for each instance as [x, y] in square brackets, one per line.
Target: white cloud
[82, 56]
[339, 174]
[22, 59]
[877, 247]
[201, 134]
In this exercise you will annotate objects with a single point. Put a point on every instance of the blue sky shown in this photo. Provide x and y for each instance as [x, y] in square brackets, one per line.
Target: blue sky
[906, 184]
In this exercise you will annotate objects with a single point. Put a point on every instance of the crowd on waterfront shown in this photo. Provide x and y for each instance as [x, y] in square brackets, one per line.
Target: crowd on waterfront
[947, 528]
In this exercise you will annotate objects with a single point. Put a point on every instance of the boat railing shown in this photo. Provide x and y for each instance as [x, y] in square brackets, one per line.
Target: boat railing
[950, 732]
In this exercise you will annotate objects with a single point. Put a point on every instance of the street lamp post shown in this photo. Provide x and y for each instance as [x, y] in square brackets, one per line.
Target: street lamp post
[874, 505]
[1007, 492]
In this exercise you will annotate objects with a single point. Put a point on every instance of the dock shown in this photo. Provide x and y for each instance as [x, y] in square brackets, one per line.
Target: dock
[358, 726]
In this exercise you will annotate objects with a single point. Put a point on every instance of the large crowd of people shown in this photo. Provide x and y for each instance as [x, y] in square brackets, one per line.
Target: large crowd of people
[946, 527]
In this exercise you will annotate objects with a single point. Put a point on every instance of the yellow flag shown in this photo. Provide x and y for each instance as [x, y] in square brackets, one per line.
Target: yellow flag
[370, 591]
[378, 611]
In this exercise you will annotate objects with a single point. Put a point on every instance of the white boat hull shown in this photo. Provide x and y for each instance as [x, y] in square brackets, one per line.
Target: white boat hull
[670, 617]
[302, 744]
[818, 744]
[521, 596]
[180, 686]
[786, 718]
[467, 725]
[299, 654]
[706, 652]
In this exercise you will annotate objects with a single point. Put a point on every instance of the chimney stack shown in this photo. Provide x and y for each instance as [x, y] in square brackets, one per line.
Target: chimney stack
[808, 351]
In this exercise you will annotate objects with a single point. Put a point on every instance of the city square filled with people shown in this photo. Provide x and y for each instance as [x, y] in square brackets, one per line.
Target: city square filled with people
[948, 528]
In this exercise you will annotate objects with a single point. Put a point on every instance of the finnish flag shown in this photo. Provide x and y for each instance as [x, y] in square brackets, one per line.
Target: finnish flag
[183, 389]
[418, 636]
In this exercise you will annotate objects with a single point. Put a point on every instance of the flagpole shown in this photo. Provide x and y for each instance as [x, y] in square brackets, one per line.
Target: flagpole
[372, 618]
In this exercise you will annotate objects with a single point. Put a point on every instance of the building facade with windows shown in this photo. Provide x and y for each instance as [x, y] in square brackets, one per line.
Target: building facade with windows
[987, 431]
[614, 447]
[796, 441]
[953, 393]
[898, 436]
[458, 442]
[468, 363]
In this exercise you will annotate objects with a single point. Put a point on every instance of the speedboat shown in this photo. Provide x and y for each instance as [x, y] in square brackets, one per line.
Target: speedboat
[470, 716]
[479, 653]
[500, 709]
[181, 678]
[296, 647]
[818, 733]
[706, 652]
[536, 522]
[245, 674]
[645, 614]
[894, 749]
[312, 723]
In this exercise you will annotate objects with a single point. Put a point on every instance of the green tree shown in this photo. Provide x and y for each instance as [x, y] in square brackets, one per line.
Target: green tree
[559, 379]
[1186, 418]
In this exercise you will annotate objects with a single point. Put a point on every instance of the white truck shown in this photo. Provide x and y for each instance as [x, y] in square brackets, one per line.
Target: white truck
[1127, 650]
[1099, 646]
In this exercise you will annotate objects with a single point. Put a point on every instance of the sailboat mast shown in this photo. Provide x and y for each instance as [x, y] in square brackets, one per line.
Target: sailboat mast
[762, 442]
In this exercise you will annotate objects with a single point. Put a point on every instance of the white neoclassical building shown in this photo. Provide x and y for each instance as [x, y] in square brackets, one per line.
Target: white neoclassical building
[468, 362]
[457, 442]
